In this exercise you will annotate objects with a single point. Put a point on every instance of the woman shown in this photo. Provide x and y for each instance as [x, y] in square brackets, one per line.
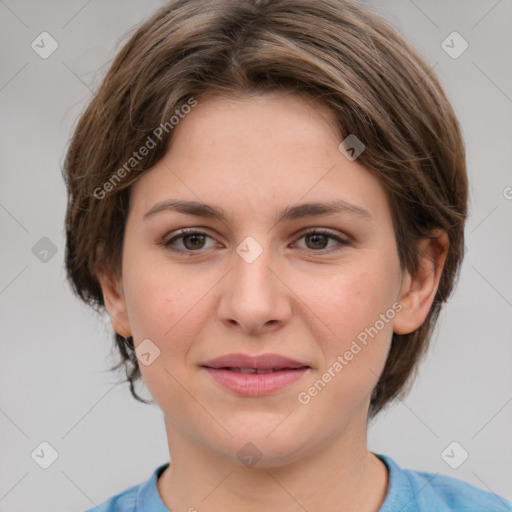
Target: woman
[268, 198]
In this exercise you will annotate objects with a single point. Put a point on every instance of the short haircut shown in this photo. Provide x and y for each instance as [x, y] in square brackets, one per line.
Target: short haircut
[333, 51]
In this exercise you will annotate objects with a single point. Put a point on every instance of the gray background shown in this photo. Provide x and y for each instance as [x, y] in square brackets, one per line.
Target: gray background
[53, 383]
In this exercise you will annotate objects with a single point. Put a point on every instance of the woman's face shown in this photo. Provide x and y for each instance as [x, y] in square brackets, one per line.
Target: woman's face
[254, 283]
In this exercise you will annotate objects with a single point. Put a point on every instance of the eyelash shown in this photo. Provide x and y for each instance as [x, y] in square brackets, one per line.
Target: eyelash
[192, 231]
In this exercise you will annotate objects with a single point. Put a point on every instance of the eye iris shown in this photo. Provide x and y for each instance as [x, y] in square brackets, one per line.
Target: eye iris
[316, 237]
[194, 236]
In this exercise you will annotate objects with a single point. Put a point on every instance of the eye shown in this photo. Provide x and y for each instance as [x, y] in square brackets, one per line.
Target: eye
[318, 239]
[192, 240]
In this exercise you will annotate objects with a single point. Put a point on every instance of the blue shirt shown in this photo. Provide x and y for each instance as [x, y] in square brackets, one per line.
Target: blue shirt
[408, 491]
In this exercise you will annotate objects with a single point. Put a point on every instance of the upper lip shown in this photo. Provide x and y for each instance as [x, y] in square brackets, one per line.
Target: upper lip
[259, 362]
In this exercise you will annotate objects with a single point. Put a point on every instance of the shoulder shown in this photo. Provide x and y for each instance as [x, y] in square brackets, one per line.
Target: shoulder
[433, 491]
[125, 501]
[454, 494]
[137, 498]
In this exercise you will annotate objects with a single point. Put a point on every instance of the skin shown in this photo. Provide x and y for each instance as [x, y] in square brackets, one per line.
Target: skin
[304, 298]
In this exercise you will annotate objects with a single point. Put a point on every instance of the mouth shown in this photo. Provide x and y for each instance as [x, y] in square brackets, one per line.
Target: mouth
[247, 375]
[259, 371]
[248, 363]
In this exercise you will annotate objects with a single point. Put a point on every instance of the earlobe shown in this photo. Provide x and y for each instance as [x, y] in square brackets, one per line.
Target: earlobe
[419, 288]
[115, 303]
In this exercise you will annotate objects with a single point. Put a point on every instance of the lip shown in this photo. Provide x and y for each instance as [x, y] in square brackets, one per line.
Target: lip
[280, 371]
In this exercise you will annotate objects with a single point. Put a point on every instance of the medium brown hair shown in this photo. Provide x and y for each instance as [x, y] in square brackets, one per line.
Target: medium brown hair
[334, 51]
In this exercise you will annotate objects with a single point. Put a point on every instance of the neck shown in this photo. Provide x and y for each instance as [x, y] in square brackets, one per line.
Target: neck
[343, 472]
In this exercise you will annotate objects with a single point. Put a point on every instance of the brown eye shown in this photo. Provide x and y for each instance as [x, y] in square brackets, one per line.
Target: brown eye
[191, 241]
[318, 240]
[195, 241]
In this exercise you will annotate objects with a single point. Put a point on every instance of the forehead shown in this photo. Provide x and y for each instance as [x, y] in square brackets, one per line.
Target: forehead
[255, 152]
[235, 124]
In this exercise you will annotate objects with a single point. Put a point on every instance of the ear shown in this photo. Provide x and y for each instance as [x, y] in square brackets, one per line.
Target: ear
[418, 289]
[115, 303]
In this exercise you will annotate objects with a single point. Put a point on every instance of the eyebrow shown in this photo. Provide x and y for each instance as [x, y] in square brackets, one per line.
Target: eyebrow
[289, 213]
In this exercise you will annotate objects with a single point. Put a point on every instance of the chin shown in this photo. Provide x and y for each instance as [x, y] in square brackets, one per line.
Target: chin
[259, 449]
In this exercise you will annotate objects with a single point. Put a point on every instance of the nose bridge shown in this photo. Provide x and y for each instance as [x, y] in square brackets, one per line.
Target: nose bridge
[253, 296]
[252, 262]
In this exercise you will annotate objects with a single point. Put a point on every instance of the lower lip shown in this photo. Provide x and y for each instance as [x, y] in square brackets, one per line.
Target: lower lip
[256, 384]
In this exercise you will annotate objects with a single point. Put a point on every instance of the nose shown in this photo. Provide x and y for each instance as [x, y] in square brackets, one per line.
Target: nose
[254, 298]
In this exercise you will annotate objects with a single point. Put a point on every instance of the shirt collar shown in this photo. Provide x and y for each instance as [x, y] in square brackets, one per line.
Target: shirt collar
[400, 495]
[148, 497]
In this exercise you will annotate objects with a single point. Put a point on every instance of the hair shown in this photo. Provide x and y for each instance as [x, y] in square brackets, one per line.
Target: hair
[333, 51]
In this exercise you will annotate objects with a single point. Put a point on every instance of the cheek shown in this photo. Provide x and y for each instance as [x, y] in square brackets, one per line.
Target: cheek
[166, 309]
[167, 305]
[163, 302]
[357, 308]
[355, 301]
